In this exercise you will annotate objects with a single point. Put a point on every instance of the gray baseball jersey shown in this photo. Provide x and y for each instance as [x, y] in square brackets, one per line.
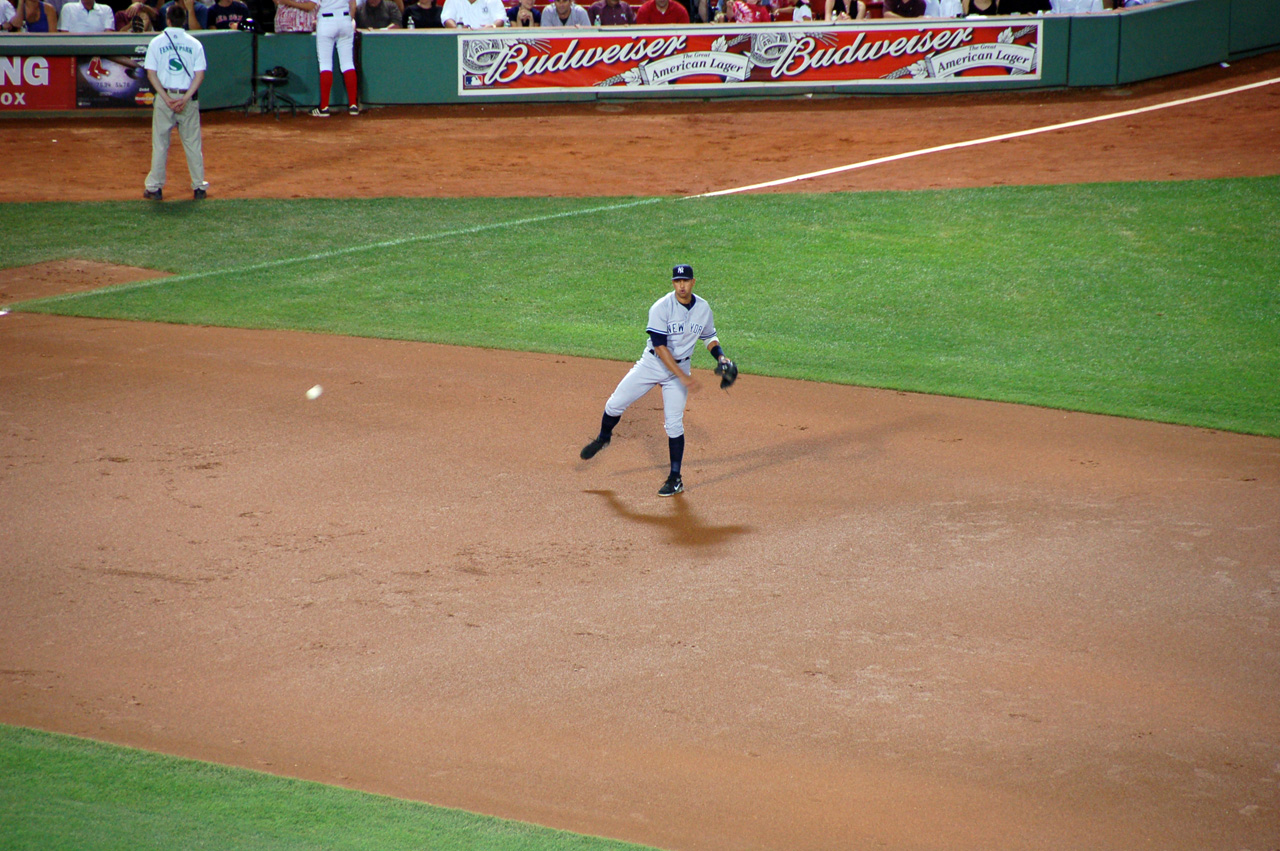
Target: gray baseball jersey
[684, 326]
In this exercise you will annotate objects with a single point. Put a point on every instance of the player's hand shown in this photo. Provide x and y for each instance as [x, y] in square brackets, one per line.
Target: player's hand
[691, 384]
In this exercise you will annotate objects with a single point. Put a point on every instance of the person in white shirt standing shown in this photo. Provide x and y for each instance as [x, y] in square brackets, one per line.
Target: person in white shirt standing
[175, 66]
[86, 16]
[336, 26]
[473, 14]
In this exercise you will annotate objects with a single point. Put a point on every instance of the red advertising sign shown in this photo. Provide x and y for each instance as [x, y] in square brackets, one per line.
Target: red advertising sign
[37, 82]
[651, 59]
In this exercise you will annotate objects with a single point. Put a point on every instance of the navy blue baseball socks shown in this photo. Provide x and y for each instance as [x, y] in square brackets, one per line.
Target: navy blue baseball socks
[672, 486]
[602, 440]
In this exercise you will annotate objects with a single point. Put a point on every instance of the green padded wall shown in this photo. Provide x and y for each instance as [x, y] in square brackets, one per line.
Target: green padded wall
[1166, 38]
[1255, 25]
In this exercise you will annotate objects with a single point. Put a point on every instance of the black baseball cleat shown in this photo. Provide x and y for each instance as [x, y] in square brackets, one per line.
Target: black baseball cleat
[199, 194]
[589, 451]
[153, 194]
[672, 486]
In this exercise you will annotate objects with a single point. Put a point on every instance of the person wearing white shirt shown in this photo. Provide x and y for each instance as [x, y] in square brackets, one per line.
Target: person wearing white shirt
[7, 13]
[943, 9]
[802, 12]
[175, 66]
[564, 13]
[86, 16]
[473, 14]
[1075, 7]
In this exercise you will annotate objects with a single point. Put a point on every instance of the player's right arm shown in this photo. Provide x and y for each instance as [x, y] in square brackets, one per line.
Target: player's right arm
[669, 361]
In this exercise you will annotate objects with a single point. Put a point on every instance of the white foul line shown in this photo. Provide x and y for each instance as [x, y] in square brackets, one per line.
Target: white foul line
[782, 181]
[339, 252]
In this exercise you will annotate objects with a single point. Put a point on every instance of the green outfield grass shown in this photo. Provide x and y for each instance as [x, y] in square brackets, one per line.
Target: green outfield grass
[1157, 301]
[59, 792]
[1150, 300]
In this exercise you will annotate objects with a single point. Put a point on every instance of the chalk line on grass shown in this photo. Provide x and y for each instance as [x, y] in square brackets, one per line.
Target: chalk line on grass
[340, 252]
[782, 181]
[353, 249]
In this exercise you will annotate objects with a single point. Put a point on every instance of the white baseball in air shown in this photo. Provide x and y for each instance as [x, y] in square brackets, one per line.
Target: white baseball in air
[314, 392]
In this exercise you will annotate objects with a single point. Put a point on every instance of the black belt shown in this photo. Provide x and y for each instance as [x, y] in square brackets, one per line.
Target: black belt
[176, 91]
[655, 354]
[335, 14]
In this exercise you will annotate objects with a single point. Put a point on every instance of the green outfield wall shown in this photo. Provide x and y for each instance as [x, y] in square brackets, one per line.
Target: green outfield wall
[403, 67]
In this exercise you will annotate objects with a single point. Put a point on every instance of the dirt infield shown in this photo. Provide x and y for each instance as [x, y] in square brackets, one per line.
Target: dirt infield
[874, 620]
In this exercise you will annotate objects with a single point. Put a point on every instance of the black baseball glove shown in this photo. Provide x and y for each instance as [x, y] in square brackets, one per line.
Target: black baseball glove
[728, 372]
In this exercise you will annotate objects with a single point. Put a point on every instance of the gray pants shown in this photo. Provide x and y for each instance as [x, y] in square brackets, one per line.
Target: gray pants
[162, 121]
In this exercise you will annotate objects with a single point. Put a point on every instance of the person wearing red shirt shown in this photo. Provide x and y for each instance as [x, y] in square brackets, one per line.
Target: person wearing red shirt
[664, 12]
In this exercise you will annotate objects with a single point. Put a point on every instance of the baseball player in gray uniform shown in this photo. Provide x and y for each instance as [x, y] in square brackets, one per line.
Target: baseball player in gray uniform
[677, 322]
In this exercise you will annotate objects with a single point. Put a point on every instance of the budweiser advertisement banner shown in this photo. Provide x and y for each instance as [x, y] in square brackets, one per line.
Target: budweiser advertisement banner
[639, 59]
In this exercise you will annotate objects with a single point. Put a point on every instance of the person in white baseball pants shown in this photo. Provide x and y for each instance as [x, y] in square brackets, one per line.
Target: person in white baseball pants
[677, 322]
[336, 27]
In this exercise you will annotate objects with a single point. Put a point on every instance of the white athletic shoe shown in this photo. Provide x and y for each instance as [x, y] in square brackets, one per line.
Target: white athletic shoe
[320, 113]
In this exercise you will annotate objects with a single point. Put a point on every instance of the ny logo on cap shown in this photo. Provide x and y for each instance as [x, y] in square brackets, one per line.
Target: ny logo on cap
[683, 272]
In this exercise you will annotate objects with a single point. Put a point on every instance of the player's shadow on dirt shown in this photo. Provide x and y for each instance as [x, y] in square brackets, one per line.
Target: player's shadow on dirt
[856, 444]
[683, 524]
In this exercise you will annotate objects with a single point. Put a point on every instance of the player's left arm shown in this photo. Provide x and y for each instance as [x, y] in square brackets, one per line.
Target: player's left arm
[725, 368]
[713, 346]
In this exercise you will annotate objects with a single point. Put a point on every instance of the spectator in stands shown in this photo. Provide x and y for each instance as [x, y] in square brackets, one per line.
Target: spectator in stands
[839, 12]
[903, 8]
[296, 16]
[137, 17]
[263, 15]
[134, 19]
[378, 15]
[982, 7]
[473, 14]
[226, 15]
[7, 14]
[86, 16]
[943, 8]
[1075, 7]
[801, 11]
[35, 16]
[197, 13]
[422, 15]
[565, 13]
[663, 12]
[611, 13]
[703, 11]
[524, 15]
[1023, 7]
[746, 12]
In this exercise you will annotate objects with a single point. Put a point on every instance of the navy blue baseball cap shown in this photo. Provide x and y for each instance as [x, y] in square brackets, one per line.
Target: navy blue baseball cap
[683, 272]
